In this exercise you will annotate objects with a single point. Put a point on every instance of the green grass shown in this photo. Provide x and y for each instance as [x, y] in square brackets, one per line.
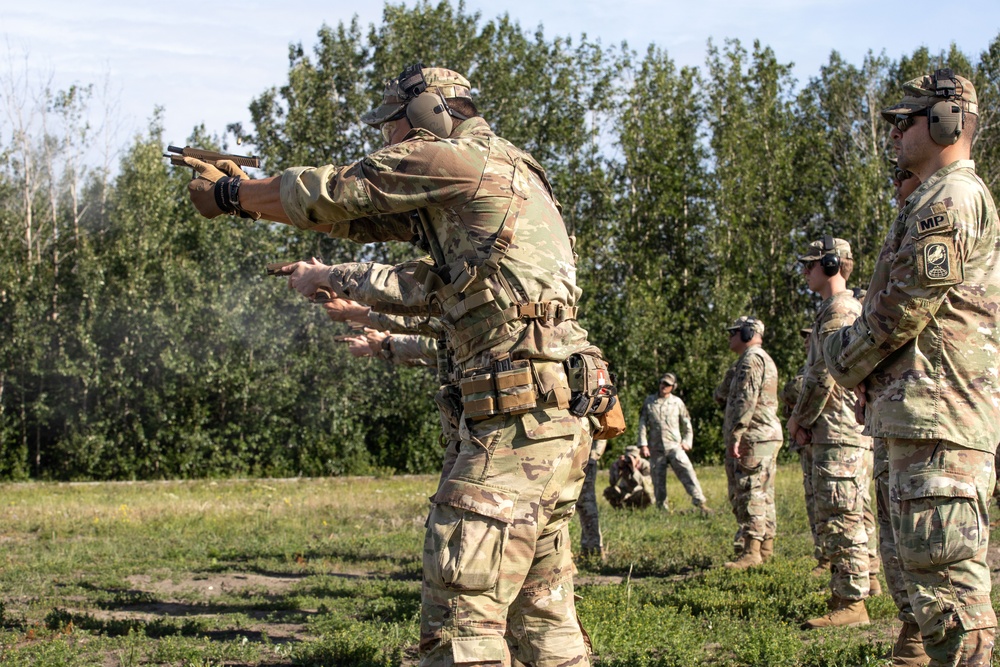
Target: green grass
[327, 572]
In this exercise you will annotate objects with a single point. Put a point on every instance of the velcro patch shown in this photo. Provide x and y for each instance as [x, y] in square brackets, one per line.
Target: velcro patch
[935, 223]
[939, 207]
[938, 264]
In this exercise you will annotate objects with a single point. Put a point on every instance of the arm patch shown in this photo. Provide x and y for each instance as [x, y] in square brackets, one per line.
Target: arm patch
[938, 263]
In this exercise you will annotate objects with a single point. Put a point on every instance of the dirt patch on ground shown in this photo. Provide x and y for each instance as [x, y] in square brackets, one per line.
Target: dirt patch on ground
[213, 585]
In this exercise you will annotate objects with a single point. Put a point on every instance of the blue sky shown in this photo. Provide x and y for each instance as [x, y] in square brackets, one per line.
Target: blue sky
[205, 64]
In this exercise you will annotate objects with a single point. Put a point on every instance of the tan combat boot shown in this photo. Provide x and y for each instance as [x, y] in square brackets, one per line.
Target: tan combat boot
[822, 567]
[767, 549]
[750, 556]
[908, 651]
[843, 613]
[874, 587]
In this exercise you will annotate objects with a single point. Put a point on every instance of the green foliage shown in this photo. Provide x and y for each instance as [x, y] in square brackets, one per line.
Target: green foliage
[141, 341]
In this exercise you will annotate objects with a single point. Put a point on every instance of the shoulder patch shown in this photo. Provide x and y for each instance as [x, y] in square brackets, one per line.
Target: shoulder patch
[938, 264]
[935, 222]
[939, 207]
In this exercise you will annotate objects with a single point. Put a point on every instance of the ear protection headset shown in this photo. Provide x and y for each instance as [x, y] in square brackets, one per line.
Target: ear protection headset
[747, 330]
[830, 261]
[425, 109]
[946, 119]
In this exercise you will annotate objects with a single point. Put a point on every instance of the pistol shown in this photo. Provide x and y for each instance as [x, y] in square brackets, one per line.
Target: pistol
[322, 294]
[177, 155]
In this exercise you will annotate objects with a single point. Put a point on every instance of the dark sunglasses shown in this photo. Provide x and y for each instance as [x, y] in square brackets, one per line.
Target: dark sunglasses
[904, 121]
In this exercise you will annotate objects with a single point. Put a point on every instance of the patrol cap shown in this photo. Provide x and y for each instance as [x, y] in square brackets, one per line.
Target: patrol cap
[399, 91]
[632, 450]
[923, 92]
[806, 332]
[669, 378]
[814, 251]
[738, 323]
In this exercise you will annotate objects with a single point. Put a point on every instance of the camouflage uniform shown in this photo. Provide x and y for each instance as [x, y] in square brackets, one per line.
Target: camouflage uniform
[841, 454]
[496, 551]
[752, 421]
[630, 484]
[927, 347]
[591, 540]
[665, 427]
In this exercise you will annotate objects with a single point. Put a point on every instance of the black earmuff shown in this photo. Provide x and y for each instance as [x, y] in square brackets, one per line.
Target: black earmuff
[830, 261]
[747, 330]
[945, 119]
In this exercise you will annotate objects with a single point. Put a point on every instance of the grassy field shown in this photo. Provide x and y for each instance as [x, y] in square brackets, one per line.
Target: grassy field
[327, 572]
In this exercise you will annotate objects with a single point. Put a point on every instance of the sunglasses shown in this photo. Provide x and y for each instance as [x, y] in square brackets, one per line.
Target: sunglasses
[904, 121]
[900, 175]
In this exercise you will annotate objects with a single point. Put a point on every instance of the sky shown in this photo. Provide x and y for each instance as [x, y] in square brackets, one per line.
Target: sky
[204, 64]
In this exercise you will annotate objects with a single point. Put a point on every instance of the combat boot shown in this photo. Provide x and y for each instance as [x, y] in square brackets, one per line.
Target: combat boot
[750, 556]
[843, 613]
[908, 651]
[822, 567]
[767, 549]
[874, 587]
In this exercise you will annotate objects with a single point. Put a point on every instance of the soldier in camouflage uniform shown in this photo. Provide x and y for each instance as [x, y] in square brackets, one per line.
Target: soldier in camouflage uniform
[630, 484]
[824, 417]
[753, 436]
[665, 437]
[496, 551]
[924, 354]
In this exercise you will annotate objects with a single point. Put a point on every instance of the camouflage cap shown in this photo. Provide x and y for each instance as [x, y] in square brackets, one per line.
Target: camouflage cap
[632, 450]
[669, 378]
[448, 83]
[805, 332]
[815, 250]
[738, 323]
[923, 92]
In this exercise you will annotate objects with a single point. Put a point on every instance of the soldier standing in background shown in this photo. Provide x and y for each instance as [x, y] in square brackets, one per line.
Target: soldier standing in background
[824, 416]
[753, 437]
[924, 357]
[665, 437]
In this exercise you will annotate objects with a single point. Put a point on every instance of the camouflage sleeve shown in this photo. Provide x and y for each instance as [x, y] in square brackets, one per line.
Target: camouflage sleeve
[790, 392]
[396, 289]
[817, 382]
[721, 394]
[415, 173]
[643, 418]
[406, 324]
[410, 350]
[747, 382]
[926, 266]
[687, 433]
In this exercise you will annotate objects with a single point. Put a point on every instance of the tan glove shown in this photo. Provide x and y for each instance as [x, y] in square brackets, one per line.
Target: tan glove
[202, 188]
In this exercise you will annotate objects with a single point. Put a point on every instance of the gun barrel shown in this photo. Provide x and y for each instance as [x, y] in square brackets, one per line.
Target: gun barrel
[210, 156]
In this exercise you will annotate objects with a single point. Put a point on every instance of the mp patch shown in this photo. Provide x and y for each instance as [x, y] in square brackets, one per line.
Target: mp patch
[938, 264]
[935, 223]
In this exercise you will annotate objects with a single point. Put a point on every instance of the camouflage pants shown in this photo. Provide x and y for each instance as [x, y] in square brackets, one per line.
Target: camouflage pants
[939, 501]
[586, 508]
[751, 489]
[806, 461]
[871, 525]
[677, 459]
[886, 536]
[841, 480]
[497, 558]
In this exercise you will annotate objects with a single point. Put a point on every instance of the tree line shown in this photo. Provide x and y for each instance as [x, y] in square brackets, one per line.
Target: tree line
[142, 341]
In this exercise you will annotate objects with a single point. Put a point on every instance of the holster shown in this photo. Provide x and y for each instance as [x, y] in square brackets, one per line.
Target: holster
[592, 384]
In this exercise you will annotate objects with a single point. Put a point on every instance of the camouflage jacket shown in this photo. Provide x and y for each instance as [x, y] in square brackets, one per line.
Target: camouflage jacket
[630, 475]
[413, 350]
[752, 403]
[790, 392]
[927, 343]
[665, 422]
[823, 406]
[476, 201]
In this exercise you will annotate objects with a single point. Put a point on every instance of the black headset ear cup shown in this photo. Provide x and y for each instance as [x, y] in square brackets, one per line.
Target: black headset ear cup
[946, 122]
[746, 331]
[429, 111]
[830, 261]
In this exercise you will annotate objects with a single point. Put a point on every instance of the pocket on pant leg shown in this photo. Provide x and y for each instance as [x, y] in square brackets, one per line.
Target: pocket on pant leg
[835, 483]
[939, 519]
[469, 527]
